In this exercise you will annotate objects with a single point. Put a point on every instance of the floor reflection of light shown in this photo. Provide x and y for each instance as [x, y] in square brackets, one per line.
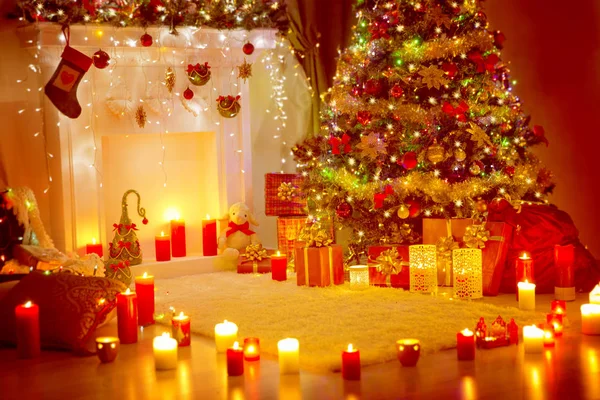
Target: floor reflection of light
[236, 393]
[289, 387]
[590, 368]
[592, 358]
[184, 378]
[469, 388]
[535, 384]
[352, 396]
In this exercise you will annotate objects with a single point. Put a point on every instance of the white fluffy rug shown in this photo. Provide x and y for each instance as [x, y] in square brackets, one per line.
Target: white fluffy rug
[325, 320]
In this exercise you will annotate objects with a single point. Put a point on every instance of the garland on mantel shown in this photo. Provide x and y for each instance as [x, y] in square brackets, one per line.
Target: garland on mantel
[219, 14]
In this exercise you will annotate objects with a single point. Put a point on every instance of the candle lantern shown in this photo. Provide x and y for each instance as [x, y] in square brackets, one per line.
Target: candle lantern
[467, 270]
[225, 335]
[289, 356]
[481, 330]
[180, 329]
[165, 352]
[465, 345]
[559, 307]
[409, 351]
[523, 270]
[351, 364]
[564, 283]
[359, 277]
[595, 295]
[590, 319]
[107, 348]
[28, 330]
[549, 335]
[235, 360]
[533, 339]
[526, 295]
[423, 268]
[251, 349]
[556, 321]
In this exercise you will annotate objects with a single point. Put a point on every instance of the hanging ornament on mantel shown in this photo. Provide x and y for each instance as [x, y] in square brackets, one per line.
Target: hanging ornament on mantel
[101, 59]
[146, 40]
[170, 79]
[245, 70]
[248, 48]
[228, 106]
[141, 117]
[188, 94]
[198, 74]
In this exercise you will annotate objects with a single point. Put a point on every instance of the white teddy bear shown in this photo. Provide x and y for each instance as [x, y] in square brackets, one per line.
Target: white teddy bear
[237, 236]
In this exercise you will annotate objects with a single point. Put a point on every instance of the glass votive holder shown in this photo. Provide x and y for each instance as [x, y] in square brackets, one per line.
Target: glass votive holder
[359, 277]
[107, 348]
[409, 351]
[251, 349]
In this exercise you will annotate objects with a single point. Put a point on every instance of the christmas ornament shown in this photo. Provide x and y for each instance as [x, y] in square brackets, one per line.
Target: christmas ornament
[339, 145]
[409, 160]
[371, 146]
[481, 206]
[403, 212]
[228, 106]
[61, 89]
[140, 116]
[450, 69]
[343, 210]
[248, 48]
[379, 198]
[245, 70]
[414, 208]
[396, 91]
[374, 87]
[356, 91]
[499, 39]
[435, 152]
[188, 94]
[433, 77]
[170, 79]
[484, 63]
[100, 59]
[363, 117]
[460, 154]
[476, 167]
[479, 136]
[146, 40]
[457, 112]
[198, 74]
[509, 170]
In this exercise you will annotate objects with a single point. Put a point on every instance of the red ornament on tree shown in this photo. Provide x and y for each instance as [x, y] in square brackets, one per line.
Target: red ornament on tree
[374, 87]
[146, 40]
[450, 69]
[396, 91]
[100, 59]
[409, 160]
[499, 39]
[414, 208]
[343, 210]
[510, 170]
[188, 94]
[364, 117]
[248, 48]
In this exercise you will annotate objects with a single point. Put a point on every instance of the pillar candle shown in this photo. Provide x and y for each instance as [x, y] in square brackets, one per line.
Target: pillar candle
[127, 319]
[279, 267]
[590, 319]
[28, 330]
[251, 349]
[526, 295]
[178, 237]
[209, 236]
[595, 295]
[225, 335]
[556, 321]
[165, 352]
[533, 339]
[409, 351]
[548, 335]
[180, 329]
[107, 348]
[351, 364]
[289, 356]
[564, 269]
[94, 248]
[162, 245]
[235, 360]
[559, 307]
[465, 345]
[144, 288]
[524, 270]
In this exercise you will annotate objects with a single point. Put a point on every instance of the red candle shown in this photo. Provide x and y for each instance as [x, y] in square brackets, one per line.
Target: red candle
[351, 364]
[209, 236]
[409, 351]
[465, 345]
[559, 307]
[564, 283]
[162, 244]
[251, 349]
[180, 329]
[178, 237]
[524, 271]
[144, 288]
[556, 321]
[94, 248]
[235, 360]
[279, 267]
[28, 330]
[127, 317]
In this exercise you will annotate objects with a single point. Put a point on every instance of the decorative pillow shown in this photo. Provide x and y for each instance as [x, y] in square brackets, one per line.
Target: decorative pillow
[71, 307]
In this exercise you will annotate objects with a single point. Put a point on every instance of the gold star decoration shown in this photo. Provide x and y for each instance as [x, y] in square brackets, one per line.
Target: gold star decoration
[433, 77]
[371, 146]
[479, 136]
[170, 79]
[438, 17]
[245, 70]
[140, 116]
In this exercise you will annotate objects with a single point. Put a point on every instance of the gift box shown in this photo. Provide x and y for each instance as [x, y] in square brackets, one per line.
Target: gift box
[283, 196]
[319, 266]
[388, 266]
[288, 230]
[248, 266]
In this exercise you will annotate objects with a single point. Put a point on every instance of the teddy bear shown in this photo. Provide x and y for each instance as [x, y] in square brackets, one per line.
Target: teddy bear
[237, 236]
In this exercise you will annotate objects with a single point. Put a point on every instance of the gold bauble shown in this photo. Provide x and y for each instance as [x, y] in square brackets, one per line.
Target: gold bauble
[435, 153]
[474, 169]
[481, 206]
[460, 155]
[403, 212]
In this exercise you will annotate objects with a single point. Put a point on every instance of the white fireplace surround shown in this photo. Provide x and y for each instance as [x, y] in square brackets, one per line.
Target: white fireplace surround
[208, 159]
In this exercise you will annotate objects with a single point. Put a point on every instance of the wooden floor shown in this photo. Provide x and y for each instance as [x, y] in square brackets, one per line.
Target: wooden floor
[570, 371]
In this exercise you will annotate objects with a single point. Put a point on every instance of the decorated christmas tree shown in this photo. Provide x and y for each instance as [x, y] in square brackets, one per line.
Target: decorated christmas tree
[421, 121]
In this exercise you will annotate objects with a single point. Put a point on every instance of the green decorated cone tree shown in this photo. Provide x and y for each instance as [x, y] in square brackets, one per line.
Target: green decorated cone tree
[421, 121]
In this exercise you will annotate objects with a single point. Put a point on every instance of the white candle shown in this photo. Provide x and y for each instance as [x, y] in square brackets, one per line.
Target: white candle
[526, 295]
[225, 335]
[595, 295]
[533, 339]
[165, 352]
[590, 319]
[289, 356]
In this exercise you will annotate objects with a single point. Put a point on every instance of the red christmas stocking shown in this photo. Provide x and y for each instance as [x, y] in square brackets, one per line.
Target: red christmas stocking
[62, 87]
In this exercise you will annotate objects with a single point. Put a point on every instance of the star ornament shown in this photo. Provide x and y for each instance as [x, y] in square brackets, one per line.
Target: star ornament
[433, 77]
[371, 146]
[245, 70]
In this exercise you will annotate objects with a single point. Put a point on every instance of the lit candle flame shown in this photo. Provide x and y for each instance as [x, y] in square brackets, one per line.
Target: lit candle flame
[236, 345]
[525, 256]
[93, 240]
[548, 334]
[466, 332]
[207, 216]
[278, 253]
[128, 291]
[162, 233]
[166, 335]
[181, 314]
[350, 348]
[145, 275]
[28, 304]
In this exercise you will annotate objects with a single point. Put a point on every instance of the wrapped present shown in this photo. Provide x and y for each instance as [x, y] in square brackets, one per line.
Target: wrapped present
[388, 266]
[256, 260]
[289, 230]
[283, 196]
[319, 262]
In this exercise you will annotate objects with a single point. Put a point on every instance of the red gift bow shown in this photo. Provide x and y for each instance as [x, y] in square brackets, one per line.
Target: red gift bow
[191, 68]
[117, 226]
[336, 144]
[379, 30]
[484, 64]
[124, 244]
[130, 227]
[540, 134]
[379, 198]
[244, 228]
[458, 111]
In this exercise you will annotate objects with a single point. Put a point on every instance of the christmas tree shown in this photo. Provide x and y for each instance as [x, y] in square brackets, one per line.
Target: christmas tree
[421, 121]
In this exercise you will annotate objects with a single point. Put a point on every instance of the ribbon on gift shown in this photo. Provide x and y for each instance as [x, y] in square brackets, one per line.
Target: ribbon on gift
[286, 191]
[306, 272]
[315, 236]
[444, 247]
[256, 253]
[389, 262]
[477, 235]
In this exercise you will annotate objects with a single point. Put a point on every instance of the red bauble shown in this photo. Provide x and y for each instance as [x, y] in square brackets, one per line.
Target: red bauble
[450, 69]
[374, 87]
[188, 94]
[510, 170]
[364, 117]
[145, 221]
[499, 39]
[146, 40]
[100, 59]
[396, 91]
[409, 160]
[248, 48]
[343, 210]
[356, 91]
[414, 208]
